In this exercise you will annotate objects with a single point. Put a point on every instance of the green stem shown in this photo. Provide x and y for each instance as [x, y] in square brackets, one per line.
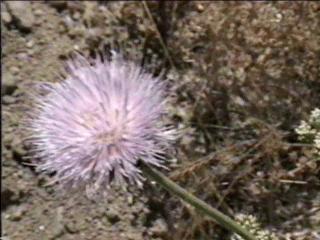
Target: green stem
[218, 216]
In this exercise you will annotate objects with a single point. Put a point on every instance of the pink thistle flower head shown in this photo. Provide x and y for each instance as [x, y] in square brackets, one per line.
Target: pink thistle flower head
[93, 127]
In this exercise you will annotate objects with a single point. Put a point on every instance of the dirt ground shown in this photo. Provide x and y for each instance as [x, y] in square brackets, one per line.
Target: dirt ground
[243, 75]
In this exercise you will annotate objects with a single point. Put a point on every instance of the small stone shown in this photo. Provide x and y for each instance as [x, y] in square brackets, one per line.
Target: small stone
[29, 44]
[21, 14]
[14, 70]
[38, 12]
[76, 16]
[279, 17]
[6, 17]
[22, 57]
[76, 225]
[200, 7]
[71, 227]
[9, 84]
[159, 228]
[130, 200]
[30, 52]
[17, 215]
[112, 215]
[57, 231]
[8, 99]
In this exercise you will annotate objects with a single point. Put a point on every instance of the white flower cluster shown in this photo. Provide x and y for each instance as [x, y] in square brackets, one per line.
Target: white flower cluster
[251, 223]
[309, 131]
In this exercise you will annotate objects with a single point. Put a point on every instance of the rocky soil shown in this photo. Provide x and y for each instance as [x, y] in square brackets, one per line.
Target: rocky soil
[243, 75]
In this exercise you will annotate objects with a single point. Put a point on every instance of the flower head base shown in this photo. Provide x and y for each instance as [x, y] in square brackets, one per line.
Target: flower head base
[95, 125]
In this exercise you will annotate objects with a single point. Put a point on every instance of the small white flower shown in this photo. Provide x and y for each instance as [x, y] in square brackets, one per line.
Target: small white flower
[309, 131]
[315, 116]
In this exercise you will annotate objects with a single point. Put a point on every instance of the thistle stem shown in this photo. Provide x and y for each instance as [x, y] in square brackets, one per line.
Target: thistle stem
[218, 216]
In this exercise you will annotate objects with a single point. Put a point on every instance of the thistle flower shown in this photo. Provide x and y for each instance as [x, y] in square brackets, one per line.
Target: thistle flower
[93, 127]
[99, 122]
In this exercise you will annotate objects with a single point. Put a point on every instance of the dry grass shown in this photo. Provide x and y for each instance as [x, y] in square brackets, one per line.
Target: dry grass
[243, 75]
[246, 74]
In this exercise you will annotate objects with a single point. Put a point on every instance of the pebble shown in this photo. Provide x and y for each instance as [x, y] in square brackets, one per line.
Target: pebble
[29, 44]
[38, 12]
[17, 215]
[14, 70]
[130, 199]
[112, 215]
[8, 83]
[58, 228]
[159, 228]
[22, 57]
[6, 17]
[8, 99]
[76, 16]
[21, 14]
[71, 227]
[200, 7]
